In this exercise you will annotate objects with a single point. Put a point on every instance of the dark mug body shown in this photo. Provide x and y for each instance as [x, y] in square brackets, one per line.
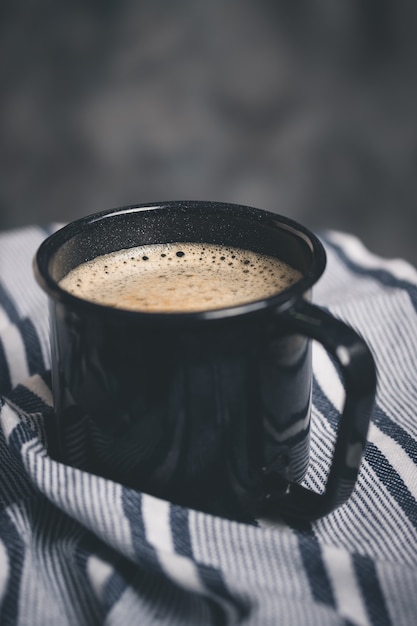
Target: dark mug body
[210, 410]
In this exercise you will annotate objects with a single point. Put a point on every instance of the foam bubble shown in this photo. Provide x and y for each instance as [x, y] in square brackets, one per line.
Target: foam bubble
[179, 277]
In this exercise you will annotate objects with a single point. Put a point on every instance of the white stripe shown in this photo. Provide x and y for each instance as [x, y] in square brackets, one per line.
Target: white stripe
[17, 249]
[182, 571]
[156, 520]
[327, 376]
[37, 385]
[158, 533]
[9, 419]
[346, 590]
[4, 570]
[15, 354]
[99, 573]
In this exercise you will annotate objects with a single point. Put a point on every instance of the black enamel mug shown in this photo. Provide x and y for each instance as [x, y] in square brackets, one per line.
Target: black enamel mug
[207, 409]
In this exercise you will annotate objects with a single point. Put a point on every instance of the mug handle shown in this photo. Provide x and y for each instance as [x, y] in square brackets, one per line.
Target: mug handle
[357, 367]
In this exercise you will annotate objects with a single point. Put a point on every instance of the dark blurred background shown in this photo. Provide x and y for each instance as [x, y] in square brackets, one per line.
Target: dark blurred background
[307, 108]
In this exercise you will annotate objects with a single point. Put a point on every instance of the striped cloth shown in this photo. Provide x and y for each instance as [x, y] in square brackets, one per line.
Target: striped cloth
[77, 549]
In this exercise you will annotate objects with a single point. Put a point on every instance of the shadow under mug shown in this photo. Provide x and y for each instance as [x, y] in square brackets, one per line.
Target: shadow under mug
[209, 409]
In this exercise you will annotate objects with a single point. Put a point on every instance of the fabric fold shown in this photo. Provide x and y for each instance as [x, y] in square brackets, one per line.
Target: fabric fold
[79, 549]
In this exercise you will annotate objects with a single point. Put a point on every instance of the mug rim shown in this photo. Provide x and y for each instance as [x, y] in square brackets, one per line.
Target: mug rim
[280, 301]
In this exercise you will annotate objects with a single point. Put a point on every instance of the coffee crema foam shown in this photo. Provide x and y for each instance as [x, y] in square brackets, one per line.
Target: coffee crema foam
[179, 277]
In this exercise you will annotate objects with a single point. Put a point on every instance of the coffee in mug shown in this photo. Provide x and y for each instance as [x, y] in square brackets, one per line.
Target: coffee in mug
[179, 277]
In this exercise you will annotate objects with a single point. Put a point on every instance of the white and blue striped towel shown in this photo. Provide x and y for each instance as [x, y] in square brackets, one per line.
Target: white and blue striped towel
[77, 549]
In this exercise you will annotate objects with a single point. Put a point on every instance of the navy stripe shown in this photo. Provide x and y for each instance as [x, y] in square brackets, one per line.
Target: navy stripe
[213, 581]
[19, 436]
[132, 507]
[323, 404]
[396, 432]
[181, 531]
[124, 573]
[379, 417]
[5, 381]
[392, 481]
[8, 305]
[367, 577]
[380, 465]
[311, 555]
[211, 577]
[28, 401]
[150, 575]
[33, 350]
[47, 378]
[162, 591]
[382, 276]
